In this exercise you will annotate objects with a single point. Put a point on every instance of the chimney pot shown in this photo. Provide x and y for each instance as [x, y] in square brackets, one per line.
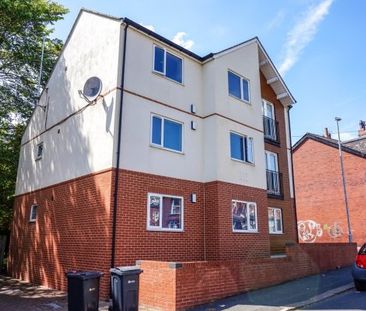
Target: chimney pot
[362, 129]
[326, 133]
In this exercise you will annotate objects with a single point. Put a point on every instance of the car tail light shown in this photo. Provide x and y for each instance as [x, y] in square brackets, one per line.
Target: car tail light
[361, 261]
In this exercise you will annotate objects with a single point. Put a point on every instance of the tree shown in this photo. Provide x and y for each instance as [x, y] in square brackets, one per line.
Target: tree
[23, 26]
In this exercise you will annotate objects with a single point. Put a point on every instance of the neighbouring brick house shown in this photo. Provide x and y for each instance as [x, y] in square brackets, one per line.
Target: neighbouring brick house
[319, 192]
[181, 158]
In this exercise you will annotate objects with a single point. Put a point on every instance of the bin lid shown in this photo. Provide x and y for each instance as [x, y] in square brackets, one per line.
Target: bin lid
[84, 275]
[126, 270]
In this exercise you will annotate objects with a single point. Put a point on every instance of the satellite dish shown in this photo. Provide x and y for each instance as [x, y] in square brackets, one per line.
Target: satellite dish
[92, 88]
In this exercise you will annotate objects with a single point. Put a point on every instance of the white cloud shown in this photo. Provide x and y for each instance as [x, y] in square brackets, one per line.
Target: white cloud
[150, 27]
[179, 39]
[345, 136]
[277, 20]
[303, 33]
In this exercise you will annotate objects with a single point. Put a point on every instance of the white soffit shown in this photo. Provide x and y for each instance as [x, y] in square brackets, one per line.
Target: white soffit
[273, 78]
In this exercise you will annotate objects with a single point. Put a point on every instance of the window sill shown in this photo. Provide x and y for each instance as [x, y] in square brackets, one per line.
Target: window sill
[162, 75]
[166, 149]
[276, 233]
[239, 99]
[244, 162]
[272, 142]
[245, 231]
[275, 196]
[164, 230]
[32, 221]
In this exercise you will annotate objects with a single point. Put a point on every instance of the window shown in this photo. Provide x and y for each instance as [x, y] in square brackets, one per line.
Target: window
[269, 122]
[33, 213]
[238, 86]
[241, 148]
[164, 212]
[273, 176]
[168, 64]
[166, 133]
[275, 220]
[39, 151]
[244, 216]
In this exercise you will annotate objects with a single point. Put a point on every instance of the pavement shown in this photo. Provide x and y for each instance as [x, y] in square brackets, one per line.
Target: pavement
[17, 295]
[291, 295]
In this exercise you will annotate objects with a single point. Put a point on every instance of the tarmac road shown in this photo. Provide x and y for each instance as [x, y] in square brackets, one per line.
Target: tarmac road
[349, 300]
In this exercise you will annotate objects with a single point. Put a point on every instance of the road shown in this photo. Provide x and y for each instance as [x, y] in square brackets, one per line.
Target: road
[349, 300]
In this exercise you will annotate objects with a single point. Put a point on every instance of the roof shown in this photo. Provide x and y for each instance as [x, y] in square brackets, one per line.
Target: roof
[329, 142]
[357, 144]
[266, 65]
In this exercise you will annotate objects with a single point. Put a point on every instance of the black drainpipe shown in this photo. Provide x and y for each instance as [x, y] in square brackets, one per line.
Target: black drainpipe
[115, 193]
[292, 169]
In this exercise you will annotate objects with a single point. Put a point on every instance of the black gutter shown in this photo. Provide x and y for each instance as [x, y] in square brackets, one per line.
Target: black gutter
[162, 39]
[115, 193]
[292, 169]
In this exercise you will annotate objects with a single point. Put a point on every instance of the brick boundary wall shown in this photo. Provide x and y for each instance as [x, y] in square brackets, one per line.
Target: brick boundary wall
[178, 286]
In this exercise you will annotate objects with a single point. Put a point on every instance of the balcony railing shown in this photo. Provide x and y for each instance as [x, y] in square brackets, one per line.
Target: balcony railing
[274, 184]
[270, 129]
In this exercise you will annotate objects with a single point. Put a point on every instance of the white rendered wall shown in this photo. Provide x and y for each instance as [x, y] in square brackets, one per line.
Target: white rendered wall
[84, 143]
[206, 151]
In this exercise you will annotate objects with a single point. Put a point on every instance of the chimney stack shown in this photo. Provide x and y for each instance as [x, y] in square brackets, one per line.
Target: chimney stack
[326, 133]
[362, 129]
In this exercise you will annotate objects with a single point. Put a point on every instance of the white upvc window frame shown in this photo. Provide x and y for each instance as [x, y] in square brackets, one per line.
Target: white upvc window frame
[163, 73]
[161, 146]
[33, 207]
[160, 227]
[245, 145]
[264, 109]
[273, 210]
[248, 217]
[241, 98]
[267, 153]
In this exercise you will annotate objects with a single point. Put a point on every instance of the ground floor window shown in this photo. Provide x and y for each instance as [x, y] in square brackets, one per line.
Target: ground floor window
[164, 212]
[275, 220]
[244, 216]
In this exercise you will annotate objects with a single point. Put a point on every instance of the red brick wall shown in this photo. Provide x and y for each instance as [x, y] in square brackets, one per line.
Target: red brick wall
[134, 241]
[201, 282]
[287, 204]
[72, 231]
[319, 191]
[222, 242]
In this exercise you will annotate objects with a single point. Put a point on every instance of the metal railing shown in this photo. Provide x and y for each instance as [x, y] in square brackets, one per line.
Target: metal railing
[274, 183]
[270, 129]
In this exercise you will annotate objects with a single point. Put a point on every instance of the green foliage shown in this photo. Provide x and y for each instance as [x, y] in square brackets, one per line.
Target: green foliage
[23, 25]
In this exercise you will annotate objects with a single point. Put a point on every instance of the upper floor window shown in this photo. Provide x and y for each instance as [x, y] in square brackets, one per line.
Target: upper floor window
[33, 213]
[244, 216]
[166, 133]
[168, 64]
[165, 212]
[275, 220]
[39, 151]
[238, 86]
[269, 122]
[241, 147]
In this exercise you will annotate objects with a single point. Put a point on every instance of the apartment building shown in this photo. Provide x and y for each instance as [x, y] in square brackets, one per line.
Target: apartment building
[179, 158]
[321, 209]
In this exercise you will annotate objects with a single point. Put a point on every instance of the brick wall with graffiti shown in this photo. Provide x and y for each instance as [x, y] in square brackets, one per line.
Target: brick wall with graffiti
[310, 231]
[320, 206]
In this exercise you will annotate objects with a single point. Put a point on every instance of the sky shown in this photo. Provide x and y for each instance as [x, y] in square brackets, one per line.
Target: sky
[319, 46]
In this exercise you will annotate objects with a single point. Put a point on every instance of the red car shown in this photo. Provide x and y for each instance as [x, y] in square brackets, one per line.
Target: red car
[359, 269]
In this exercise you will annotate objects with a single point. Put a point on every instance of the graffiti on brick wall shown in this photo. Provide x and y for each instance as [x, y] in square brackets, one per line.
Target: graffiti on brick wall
[310, 230]
[335, 230]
